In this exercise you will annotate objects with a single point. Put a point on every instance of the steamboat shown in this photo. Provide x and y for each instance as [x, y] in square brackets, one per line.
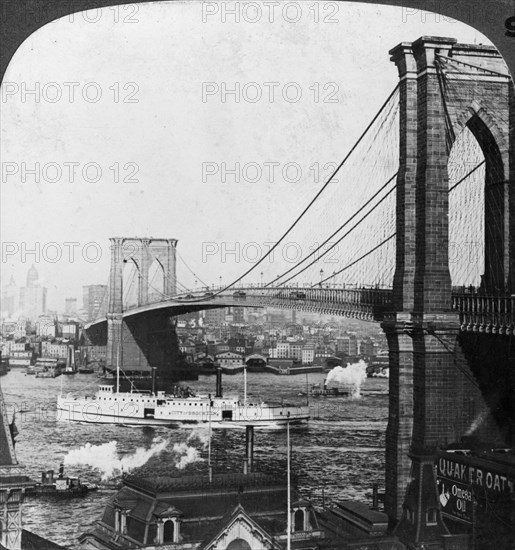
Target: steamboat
[62, 486]
[183, 406]
[317, 390]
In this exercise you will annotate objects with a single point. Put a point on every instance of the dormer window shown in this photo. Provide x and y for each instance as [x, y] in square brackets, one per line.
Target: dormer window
[301, 517]
[431, 516]
[298, 520]
[169, 531]
[168, 527]
[120, 520]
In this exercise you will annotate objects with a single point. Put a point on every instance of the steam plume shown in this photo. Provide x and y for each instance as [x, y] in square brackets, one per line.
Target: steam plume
[351, 376]
[106, 459]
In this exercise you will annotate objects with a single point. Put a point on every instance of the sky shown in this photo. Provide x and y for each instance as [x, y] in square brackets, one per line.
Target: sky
[121, 122]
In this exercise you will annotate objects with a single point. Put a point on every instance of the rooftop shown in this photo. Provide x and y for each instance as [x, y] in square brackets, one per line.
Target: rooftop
[164, 483]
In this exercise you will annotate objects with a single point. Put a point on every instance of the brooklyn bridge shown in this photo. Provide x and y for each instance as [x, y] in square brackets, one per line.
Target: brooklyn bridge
[434, 167]
[441, 171]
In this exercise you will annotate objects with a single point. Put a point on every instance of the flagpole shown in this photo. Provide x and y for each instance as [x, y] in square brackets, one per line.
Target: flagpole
[118, 368]
[245, 384]
[209, 445]
[288, 468]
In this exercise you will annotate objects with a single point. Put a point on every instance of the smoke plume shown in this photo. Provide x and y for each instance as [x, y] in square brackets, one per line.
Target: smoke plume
[107, 460]
[352, 376]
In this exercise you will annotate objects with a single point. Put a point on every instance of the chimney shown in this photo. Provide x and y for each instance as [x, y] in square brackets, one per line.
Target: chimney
[218, 383]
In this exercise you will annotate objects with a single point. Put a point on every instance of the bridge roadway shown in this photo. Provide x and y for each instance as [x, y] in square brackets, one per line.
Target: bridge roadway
[478, 312]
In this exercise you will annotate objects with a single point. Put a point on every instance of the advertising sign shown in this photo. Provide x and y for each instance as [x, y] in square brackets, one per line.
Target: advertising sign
[456, 499]
[462, 480]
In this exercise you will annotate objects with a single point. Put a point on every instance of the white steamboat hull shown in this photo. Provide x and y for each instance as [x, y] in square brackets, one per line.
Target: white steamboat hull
[93, 411]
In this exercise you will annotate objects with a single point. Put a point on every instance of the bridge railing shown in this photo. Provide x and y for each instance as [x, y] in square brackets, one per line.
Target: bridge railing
[485, 313]
[365, 303]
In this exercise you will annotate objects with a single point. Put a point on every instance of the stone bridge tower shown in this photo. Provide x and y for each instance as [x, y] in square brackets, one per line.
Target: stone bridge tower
[149, 342]
[432, 400]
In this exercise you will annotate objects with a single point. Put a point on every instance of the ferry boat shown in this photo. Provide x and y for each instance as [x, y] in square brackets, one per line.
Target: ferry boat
[46, 367]
[149, 408]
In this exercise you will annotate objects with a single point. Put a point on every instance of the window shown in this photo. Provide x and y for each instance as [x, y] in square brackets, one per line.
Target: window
[298, 521]
[238, 544]
[168, 531]
[431, 516]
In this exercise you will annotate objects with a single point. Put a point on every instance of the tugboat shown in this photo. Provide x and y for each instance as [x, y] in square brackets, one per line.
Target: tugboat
[61, 487]
[317, 390]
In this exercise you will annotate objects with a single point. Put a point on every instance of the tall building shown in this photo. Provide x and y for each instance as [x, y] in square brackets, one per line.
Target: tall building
[33, 301]
[347, 344]
[26, 301]
[238, 314]
[70, 306]
[10, 299]
[94, 301]
[32, 276]
[33, 296]
[367, 347]
[214, 316]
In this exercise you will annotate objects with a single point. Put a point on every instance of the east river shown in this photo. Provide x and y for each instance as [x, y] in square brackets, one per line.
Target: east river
[339, 455]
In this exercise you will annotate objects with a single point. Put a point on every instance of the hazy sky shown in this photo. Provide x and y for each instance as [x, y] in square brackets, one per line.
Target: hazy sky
[131, 100]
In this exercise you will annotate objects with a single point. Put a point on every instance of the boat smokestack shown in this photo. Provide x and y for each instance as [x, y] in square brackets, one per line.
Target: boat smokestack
[325, 384]
[218, 383]
[153, 380]
[61, 470]
[375, 497]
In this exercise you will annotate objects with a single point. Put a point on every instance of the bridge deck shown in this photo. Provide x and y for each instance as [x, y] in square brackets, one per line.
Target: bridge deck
[477, 312]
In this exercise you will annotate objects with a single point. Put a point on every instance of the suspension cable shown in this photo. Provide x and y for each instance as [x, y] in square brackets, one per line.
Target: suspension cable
[301, 215]
[466, 176]
[355, 261]
[331, 236]
[345, 234]
[191, 271]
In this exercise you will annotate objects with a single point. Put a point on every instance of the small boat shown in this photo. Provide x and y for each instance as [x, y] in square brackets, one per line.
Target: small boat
[47, 367]
[4, 365]
[69, 372]
[317, 390]
[34, 369]
[86, 370]
[49, 373]
[62, 486]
